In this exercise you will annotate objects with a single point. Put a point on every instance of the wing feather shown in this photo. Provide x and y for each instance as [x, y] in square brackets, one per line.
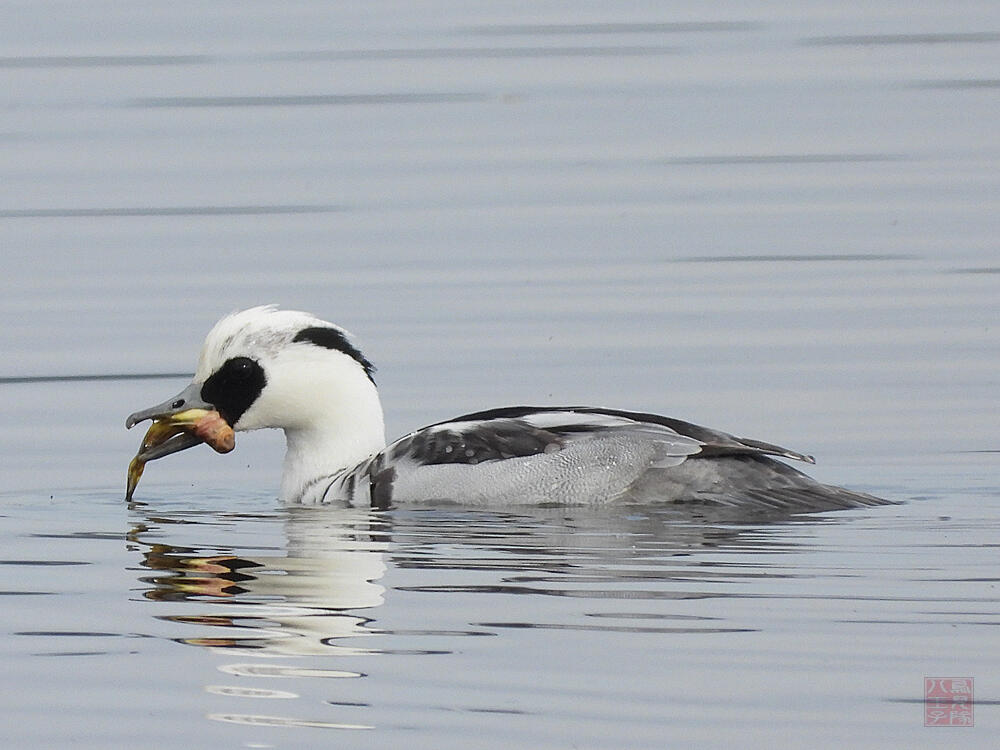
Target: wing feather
[565, 420]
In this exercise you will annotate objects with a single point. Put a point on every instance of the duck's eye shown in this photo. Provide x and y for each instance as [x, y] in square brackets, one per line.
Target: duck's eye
[239, 368]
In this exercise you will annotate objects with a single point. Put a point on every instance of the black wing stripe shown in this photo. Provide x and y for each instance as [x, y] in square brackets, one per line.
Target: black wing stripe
[717, 443]
[492, 440]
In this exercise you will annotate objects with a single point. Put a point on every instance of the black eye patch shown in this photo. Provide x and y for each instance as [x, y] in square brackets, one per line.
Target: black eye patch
[234, 387]
[331, 338]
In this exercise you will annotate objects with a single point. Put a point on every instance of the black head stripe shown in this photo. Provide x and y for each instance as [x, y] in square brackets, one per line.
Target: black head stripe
[332, 338]
[234, 387]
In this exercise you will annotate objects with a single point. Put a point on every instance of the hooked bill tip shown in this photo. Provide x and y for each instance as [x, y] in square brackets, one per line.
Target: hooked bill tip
[135, 417]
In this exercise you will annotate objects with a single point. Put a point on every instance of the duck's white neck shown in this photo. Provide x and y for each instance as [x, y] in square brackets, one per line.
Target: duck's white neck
[316, 454]
[329, 410]
[346, 431]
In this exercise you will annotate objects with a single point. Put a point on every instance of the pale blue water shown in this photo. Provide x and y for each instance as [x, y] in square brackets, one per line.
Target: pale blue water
[779, 220]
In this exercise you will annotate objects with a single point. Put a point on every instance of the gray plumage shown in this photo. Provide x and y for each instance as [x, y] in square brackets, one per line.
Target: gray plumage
[574, 455]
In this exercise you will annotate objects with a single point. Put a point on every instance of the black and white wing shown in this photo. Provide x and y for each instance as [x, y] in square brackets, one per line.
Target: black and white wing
[568, 420]
[583, 455]
[535, 455]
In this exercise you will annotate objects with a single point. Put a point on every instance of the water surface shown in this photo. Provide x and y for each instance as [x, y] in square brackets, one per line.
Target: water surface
[778, 220]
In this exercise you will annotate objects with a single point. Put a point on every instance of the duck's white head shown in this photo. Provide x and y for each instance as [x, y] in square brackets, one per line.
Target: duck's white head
[266, 367]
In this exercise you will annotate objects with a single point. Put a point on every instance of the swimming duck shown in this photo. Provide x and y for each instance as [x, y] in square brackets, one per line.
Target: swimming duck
[267, 367]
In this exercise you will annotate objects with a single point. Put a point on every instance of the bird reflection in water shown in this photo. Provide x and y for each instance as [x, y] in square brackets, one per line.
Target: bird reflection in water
[325, 586]
[298, 603]
[305, 584]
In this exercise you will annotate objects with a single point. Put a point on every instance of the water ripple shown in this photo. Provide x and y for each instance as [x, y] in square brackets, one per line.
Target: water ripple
[308, 100]
[282, 721]
[974, 37]
[281, 670]
[96, 212]
[648, 27]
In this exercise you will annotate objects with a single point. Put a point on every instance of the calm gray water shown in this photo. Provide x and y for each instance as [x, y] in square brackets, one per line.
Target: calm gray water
[778, 219]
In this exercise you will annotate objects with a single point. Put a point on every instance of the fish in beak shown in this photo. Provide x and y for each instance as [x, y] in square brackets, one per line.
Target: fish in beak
[179, 423]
